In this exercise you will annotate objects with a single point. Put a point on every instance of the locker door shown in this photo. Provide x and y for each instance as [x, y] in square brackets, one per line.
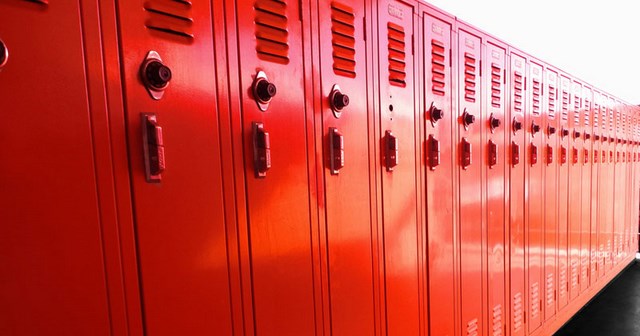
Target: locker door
[180, 227]
[596, 163]
[276, 173]
[535, 188]
[439, 137]
[575, 185]
[398, 169]
[586, 180]
[494, 151]
[348, 235]
[625, 162]
[549, 160]
[470, 171]
[516, 194]
[609, 182]
[53, 276]
[563, 193]
[618, 194]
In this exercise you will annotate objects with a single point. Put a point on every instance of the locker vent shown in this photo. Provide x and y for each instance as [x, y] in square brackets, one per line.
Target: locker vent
[563, 280]
[610, 120]
[272, 34]
[552, 100]
[496, 325]
[42, 2]
[496, 85]
[596, 113]
[517, 312]
[537, 92]
[574, 274]
[517, 91]
[587, 112]
[585, 258]
[343, 40]
[397, 65]
[171, 17]
[565, 104]
[535, 300]
[472, 327]
[438, 68]
[550, 289]
[469, 77]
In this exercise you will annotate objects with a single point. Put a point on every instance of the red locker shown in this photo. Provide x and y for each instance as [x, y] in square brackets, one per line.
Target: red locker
[550, 163]
[167, 67]
[51, 237]
[608, 194]
[517, 164]
[440, 157]
[495, 131]
[597, 264]
[470, 164]
[585, 231]
[618, 191]
[534, 210]
[271, 116]
[398, 166]
[563, 192]
[575, 184]
[343, 107]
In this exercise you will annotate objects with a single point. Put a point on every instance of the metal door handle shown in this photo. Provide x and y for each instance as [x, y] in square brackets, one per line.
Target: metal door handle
[466, 153]
[515, 153]
[336, 150]
[434, 152]
[493, 153]
[392, 150]
[153, 147]
[261, 150]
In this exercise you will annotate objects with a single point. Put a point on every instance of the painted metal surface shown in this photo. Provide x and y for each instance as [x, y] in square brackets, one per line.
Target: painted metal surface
[586, 249]
[574, 204]
[563, 192]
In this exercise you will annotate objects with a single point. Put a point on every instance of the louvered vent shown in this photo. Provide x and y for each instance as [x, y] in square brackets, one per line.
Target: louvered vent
[496, 325]
[550, 289]
[41, 2]
[565, 105]
[535, 300]
[170, 16]
[596, 110]
[272, 34]
[610, 120]
[396, 46]
[537, 92]
[553, 92]
[517, 91]
[587, 112]
[343, 39]
[517, 312]
[576, 109]
[562, 279]
[470, 77]
[574, 271]
[438, 74]
[496, 85]
[604, 117]
[472, 328]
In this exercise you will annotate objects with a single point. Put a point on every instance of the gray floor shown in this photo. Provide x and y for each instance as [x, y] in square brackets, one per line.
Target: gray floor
[614, 311]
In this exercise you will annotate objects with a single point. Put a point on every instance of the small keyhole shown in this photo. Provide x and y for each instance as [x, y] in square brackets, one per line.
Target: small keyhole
[4, 54]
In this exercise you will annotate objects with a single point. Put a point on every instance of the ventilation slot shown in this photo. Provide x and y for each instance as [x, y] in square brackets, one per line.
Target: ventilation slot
[610, 124]
[574, 274]
[587, 112]
[41, 2]
[343, 40]
[563, 279]
[565, 105]
[496, 85]
[469, 77]
[272, 35]
[535, 300]
[438, 68]
[536, 96]
[496, 326]
[472, 328]
[552, 100]
[550, 291]
[170, 16]
[397, 65]
[596, 113]
[517, 312]
[517, 92]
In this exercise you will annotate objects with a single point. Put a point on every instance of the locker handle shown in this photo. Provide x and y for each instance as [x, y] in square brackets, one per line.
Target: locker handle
[563, 155]
[434, 152]
[391, 150]
[574, 155]
[261, 150]
[549, 154]
[515, 153]
[466, 153]
[336, 150]
[586, 156]
[493, 154]
[596, 155]
[534, 154]
[153, 147]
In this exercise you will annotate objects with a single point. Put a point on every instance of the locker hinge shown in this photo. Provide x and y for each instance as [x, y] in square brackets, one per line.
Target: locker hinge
[480, 63]
[300, 10]
[504, 76]
[555, 295]
[450, 64]
[364, 28]
[540, 304]
[412, 44]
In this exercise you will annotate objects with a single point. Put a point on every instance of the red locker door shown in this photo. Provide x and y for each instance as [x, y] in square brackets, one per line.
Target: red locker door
[398, 166]
[596, 163]
[609, 182]
[53, 272]
[575, 185]
[494, 151]
[180, 226]
[276, 242]
[585, 232]
[550, 160]
[440, 156]
[618, 193]
[563, 195]
[470, 172]
[516, 194]
[535, 195]
[625, 162]
[343, 99]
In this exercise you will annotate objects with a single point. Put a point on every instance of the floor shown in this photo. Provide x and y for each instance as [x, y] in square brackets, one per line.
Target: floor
[615, 311]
